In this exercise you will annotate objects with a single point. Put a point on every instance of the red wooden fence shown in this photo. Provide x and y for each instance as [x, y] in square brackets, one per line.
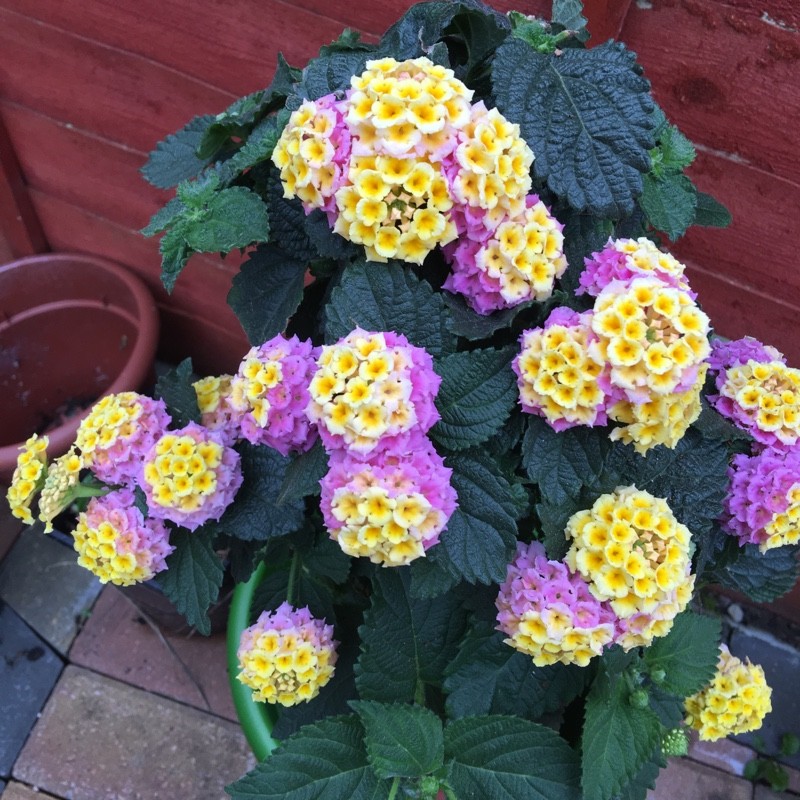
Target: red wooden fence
[86, 89]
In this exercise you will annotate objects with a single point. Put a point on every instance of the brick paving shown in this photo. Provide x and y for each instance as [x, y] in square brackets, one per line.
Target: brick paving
[129, 711]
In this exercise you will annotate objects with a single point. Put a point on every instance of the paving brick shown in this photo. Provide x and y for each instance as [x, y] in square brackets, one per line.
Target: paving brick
[10, 527]
[19, 791]
[98, 739]
[28, 671]
[724, 754]
[687, 780]
[118, 641]
[42, 582]
[781, 665]
[763, 793]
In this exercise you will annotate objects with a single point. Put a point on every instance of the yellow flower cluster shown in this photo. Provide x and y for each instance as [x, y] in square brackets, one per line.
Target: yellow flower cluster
[645, 258]
[249, 388]
[211, 392]
[111, 418]
[736, 701]
[387, 530]
[101, 552]
[525, 254]
[407, 107]
[769, 394]
[357, 393]
[664, 419]
[558, 376]
[784, 527]
[28, 477]
[182, 474]
[57, 492]
[304, 154]
[494, 165]
[651, 335]
[395, 207]
[633, 553]
[550, 637]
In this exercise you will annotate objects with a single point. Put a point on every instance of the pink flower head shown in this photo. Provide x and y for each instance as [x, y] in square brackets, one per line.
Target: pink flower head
[118, 544]
[549, 612]
[270, 392]
[626, 259]
[370, 390]
[517, 260]
[725, 355]
[216, 411]
[389, 506]
[287, 656]
[558, 376]
[119, 431]
[763, 503]
[190, 477]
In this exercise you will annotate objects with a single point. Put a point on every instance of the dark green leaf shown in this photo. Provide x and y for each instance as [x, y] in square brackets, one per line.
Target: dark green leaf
[569, 13]
[332, 72]
[327, 559]
[175, 159]
[644, 780]
[164, 217]
[266, 292]
[617, 739]
[711, 213]
[256, 514]
[402, 740]
[303, 475]
[430, 579]
[406, 642]
[667, 707]
[586, 116]
[193, 576]
[763, 577]
[174, 255]
[274, 589]
[712, 425]
[140, 501]
[325, 761]
[669, 203]
[481, 534]
[677, 152]
[242, 558]
[489, 676]
[507, 758]
[471, 325]
[583, 235]
[234, 217]
[388, 297]
[327, 243]
[477, 393]
[258, 147]
[176, 390]
[688, 654]
[287, 222]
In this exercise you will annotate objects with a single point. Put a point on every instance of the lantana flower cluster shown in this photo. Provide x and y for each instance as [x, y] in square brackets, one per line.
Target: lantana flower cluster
[736, 701]
[28, 478]
[638, 357]
[287, 656]
[406, 162]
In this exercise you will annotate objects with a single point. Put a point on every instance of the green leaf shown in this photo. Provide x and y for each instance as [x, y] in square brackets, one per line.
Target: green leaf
[332, 72]
[644, 780]
[327, 559]
[569, 13]
[306, 591]
[287, 222]
[583, 235]
[586, 116]
[388, 297]
[176, 389]
[507, 758]
[193, 576]
[430, 579]
[258, 147]
[405, 741]
[325, 761]
[711, 213]
[481, 534]
[327, 243]
[175, 158]
[257, 514]
[617, 739]
[266, 292]
[669, 203]
[470, 325]
[688, 654]
[174, 255]
[677, 152]
[140, 501]
[489, 676]
[477, 393]
[763, 577]
[405, 642]
[165, 217]
[303, 475]
[667, 707]
[234, 217]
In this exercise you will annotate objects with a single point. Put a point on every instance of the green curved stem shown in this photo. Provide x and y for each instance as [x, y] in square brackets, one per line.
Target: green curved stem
[257, 719]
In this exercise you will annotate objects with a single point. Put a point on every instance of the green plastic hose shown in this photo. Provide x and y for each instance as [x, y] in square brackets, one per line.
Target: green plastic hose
[257, 719]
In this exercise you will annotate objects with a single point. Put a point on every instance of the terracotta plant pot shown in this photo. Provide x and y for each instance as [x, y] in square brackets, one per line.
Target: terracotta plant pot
[72, 328]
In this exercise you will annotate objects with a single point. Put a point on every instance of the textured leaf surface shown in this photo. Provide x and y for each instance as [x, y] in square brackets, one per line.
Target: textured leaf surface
[388, 297]
[586, 116]
[688, 653]
[669, 203]
[175, 159]
[507, 758]
[711, 213]
[763, 577]
[477, 393]
[266, 292]
[617, 739]
[233, 218]
[256, 514]
[287, 222]
[471, 325]
[193, 576]
[303, 474]
[325, 761]
[402, 740]
[569, 13]
[176, 390]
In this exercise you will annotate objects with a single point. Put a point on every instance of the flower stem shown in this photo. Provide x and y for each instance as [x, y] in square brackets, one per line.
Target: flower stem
[293, 568]
[394, 788]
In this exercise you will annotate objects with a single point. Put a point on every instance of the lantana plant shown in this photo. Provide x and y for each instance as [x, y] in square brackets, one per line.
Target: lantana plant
[485, 441]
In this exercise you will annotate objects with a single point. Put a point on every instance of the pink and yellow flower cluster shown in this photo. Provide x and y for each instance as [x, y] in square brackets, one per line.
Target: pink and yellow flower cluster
[405, 162]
